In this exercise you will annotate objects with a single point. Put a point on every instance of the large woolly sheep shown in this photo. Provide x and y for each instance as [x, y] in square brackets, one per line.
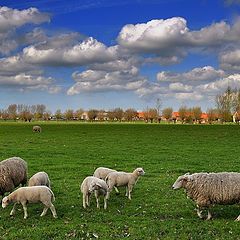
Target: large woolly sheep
[102, 172]
[13, 172]
[33, 194]
[39, 179]
[37, 129]
[207, 189]
[118, 179]
[98, 186]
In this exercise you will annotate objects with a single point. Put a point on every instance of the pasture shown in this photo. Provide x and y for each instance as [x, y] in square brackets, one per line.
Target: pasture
[69, 152]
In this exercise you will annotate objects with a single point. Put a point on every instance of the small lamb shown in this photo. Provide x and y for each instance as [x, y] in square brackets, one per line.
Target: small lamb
[102, 172]
[118, 179]
[33, 194]
[37, 129]
[39, 179]
[98, 186]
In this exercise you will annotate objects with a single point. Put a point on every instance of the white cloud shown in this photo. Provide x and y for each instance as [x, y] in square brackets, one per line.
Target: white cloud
[206, 73]
[193, 96]
[13, 18]
[230, 60]
[99, 81]
[87, 52]
[179, 87]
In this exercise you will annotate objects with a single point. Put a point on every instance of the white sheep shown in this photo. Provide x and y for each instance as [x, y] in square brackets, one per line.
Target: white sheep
[37, 129]
[13, 172]
[207, 189]
[98, 186]
[39, 179]
[118, 179]
[33, 194]
[102, 172]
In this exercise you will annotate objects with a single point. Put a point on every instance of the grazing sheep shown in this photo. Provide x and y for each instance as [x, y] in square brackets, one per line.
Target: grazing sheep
[13, 172]
[102, 173]
[207, 189]
[37, 129]
[96, 185]
[39, 179]
[118, 179]
[33, 194]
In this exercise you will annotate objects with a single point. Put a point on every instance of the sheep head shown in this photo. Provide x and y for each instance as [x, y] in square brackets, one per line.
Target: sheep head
[5, 202]
[181, 181]
[139, 171]
[94, 186]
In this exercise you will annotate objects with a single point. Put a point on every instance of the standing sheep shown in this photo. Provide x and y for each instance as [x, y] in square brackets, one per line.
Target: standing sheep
[96, 185]
[37, 129]
[33, 194]
[39, 179]
[207, 189]
[13, 172]
[102, 172]
[118, 179]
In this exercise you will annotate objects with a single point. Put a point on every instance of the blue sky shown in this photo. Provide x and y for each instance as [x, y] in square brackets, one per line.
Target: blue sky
[105, 54]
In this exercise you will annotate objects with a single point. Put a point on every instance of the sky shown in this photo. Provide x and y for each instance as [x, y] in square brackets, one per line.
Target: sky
[105, 54]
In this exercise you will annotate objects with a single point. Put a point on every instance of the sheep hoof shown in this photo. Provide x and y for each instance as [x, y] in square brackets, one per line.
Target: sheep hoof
[55, 216]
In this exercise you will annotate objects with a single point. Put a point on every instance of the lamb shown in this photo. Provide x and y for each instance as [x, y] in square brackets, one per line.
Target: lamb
[39, 179]
[37, 129]
[13, 172]
[117, 179]
[207, 189]
[102, 173]
[98, 186]
[33, 194]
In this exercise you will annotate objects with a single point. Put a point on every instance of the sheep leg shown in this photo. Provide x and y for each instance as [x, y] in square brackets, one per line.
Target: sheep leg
[84, 200]
[130, 187]
[109, 191]
[97, 199]
[126, 192]
[24, 205]
[44, 211]
[116, 190]
[105, 202]
[88, 199]
[199, 212]
[209, 215]
[53, 210]
[13, 209]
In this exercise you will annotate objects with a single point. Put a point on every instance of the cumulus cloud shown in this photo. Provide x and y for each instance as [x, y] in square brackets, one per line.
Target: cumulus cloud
[206, 73]
[172, 39]
[87, 52]
[194, 96]
[13, 18]
[179, 87]
[100, 81]
[230, 60]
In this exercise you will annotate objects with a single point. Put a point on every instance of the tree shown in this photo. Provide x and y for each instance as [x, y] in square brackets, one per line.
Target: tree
[92, 114]
[68, 114]
[46, 115]
[212, 115]
[58, 114]
[196, 114]
[78, 114]
[130, 114]
[167, 113]
[101, 115]
[110, 115]
[224, 105]
[118, 114]
[152, 114]
[158, 106]
[183, 113]
[12, 111]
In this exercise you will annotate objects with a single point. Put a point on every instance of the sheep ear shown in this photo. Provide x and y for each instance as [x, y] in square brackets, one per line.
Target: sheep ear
[98, 184]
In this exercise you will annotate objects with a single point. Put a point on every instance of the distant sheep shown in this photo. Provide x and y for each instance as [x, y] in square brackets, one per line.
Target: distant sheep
[37, 129]
[39, 179]
[13, 172]
[98, 186]
[102, 172]
[207, 189]
[118, 179]
[33, 194]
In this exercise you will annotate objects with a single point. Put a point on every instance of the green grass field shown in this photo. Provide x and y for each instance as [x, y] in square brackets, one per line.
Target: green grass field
[70, 152]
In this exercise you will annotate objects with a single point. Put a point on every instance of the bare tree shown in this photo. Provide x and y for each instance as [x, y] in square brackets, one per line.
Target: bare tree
[58, 114]
[130, 114]
[118, 114]
[183, 113]
[68, 114]
[92, 114]
[167, 113]
[78, 114]
[212, 115]
[152, 114]
[101, 115]
[12, 111]
[46, 115]
[196, 114]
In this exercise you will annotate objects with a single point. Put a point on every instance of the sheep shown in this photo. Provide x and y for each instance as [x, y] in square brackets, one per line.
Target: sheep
[39, 179]
[32, 194]
[37, 129]
[118, 179]
[207, 189]
[98, 186]
[102, 172]
[13, 172]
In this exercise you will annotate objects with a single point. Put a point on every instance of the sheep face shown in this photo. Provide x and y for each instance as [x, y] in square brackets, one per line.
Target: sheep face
[94, 186]
[181, 181]
[5, 202]
[140, 171]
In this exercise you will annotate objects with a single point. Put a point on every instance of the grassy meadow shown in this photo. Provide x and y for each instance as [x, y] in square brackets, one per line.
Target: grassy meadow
[69, 152]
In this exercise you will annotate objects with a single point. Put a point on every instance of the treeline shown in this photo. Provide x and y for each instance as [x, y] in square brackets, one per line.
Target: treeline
[227, 110]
